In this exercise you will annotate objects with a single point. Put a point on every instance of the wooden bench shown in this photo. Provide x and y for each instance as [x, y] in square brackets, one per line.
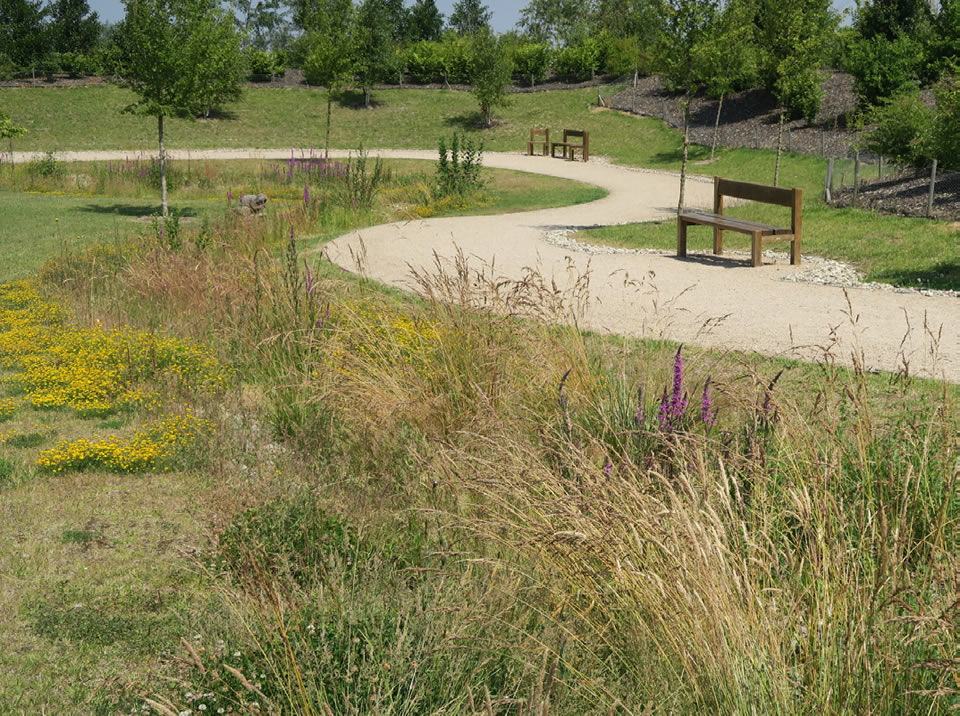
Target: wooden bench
[760, 233]
[534, 134]
[570, 148]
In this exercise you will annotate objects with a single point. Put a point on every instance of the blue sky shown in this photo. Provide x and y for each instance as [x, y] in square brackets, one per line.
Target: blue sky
[505, 12]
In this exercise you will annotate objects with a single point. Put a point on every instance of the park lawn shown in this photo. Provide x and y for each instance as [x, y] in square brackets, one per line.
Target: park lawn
[38, 225]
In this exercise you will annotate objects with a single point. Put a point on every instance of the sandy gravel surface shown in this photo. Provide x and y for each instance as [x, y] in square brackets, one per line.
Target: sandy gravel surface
[703, 300]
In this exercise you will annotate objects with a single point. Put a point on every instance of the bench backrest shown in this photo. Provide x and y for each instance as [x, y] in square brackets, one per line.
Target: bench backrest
[790, 198]
[545, 133]
[567, 133]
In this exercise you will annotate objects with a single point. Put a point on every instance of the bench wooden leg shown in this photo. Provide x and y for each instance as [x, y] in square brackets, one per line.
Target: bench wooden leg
[756, 248]
[795, 251]
[718, 242]
[681, 238]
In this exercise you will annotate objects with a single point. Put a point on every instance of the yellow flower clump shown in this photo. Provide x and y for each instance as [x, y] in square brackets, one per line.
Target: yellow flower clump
[92, 371]
[7, 406]
[152, 448]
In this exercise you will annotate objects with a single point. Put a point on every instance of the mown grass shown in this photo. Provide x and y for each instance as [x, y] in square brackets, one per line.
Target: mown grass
[887, 249]
[61, 216]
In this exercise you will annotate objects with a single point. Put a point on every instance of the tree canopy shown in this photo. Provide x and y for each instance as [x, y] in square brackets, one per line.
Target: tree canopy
[469, 16]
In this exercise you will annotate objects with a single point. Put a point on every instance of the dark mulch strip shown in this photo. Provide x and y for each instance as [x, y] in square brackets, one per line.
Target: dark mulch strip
[751, 118]
[906, 195]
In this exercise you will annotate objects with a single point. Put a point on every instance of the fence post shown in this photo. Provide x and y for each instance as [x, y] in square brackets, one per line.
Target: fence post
[880, 167]
[856, 177]
[828, 182]
[933, 184]
[756, 137]
[636, 80]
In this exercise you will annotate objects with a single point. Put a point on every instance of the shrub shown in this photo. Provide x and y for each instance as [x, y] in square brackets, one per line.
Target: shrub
[580, 62]
[458, 172]
[800, 90]
[904, 130]
[423, 61]
[882, 67]
[531, 61]
[264, 64]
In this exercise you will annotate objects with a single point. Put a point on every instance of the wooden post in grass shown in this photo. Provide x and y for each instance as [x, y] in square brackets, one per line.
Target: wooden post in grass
[933, 184]
[828, 182]
[880, 167]
[636, 80]
[856, 177]
[776, 170]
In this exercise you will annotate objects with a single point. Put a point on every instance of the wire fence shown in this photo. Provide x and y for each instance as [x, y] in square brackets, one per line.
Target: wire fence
[854, 177]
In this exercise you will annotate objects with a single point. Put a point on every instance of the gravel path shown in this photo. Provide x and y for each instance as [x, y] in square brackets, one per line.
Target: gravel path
[817, 311]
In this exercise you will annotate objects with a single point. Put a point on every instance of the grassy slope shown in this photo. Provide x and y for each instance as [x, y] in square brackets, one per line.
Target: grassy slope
[888, 248]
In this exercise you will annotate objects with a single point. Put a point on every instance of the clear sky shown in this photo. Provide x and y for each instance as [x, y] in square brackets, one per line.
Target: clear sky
[505, 12]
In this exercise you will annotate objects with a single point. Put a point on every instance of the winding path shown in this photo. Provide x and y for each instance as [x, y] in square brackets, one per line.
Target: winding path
[703, 300]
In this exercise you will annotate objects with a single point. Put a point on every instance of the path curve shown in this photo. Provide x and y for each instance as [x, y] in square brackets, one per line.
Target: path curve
[717, 303]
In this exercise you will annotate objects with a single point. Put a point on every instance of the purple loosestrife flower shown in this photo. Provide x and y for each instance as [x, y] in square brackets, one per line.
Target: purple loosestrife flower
[306, 195]
[707, 413]
[229, 197]
[640, 417]
[673, 406]
[607, 467]
[309, 279]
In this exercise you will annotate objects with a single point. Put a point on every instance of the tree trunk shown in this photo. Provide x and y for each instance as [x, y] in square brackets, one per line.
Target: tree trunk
[163, 167]
[776, 170]
[716, 128]
[686, 144]
[366, 97]
[326, 144]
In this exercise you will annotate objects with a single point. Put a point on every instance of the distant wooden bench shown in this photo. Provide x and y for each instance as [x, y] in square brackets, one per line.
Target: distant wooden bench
[534, 134]
[760, 233]
[570, 148]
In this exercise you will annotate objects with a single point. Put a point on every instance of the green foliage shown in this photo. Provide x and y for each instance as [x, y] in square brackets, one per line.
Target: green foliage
[625, 56]
[469, 16]
[361, 184]
[423, 60]
[47, 166]
[185, 57]
[166, 230]
[290, 536]
[490, 70]
[329, 62]
[9, 130]
[23, 34]
[72, 27]
[458, 170]
[531, 60]
[425, 21]
[373, 45]
[263, 63]
[582, 61]
[795, 39]
[7, 468]
[891, 19]
[556, 21]
[883, 67]
[725, 59]
[683, 25]
[947, 131]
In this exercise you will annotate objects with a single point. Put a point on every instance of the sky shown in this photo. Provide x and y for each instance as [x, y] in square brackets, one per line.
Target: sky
[505, 12]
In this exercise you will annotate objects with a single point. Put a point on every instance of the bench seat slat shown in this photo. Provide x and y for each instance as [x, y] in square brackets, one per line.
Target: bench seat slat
[730, 223]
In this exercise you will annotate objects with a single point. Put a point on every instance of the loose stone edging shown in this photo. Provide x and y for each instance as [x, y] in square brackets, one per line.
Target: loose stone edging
[816, 270]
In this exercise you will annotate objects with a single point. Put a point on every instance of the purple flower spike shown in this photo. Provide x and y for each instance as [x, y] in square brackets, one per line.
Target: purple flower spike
[229, 196]
[607, 467]
[306, 195]
[707, 413]
[309, 279]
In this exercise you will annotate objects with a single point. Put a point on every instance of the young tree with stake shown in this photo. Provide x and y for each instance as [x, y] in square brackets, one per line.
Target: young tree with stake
[184, 59]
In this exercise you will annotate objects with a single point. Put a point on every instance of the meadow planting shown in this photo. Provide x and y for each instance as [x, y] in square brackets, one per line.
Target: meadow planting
[448, 501]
